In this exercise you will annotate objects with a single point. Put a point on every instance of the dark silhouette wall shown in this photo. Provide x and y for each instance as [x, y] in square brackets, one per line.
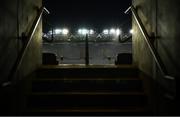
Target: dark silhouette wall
[161, 20]
[16, 18]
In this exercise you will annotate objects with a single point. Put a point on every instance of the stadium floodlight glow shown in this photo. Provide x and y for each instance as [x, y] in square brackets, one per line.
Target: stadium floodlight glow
[84, 31]
[65, 31]
[58, 31]
[80, 31]
[106, 31]
[91, 31]
[131, 31]
[118, 32]
[112, 31]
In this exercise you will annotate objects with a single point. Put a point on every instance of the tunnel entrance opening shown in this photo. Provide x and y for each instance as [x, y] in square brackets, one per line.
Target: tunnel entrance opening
[105, 24]
[80, 45]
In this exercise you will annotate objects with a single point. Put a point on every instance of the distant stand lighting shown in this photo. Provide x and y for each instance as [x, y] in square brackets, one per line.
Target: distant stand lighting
[131, 31]
[58, 31]
[118, 32]
[80, 31]
[112, 31]
[85, 31]
[65, 31]
[106, 31]
[91, 32]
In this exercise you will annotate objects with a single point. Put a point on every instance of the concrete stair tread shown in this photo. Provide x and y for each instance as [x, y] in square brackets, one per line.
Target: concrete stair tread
[87, 99]
[130, 111]
[57, 79]
[87, 93]
[94, 109]
[86, 89]
[52, 90]
[84, 66]
[86, 72]
[89, 85]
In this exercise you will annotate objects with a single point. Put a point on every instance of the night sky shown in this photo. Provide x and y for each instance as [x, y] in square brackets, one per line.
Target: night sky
[96, 14]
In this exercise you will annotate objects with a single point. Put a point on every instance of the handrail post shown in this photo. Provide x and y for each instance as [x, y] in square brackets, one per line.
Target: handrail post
[86, 50]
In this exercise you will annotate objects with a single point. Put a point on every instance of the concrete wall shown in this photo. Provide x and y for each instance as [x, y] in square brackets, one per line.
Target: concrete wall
[17, 17]
[161, 19]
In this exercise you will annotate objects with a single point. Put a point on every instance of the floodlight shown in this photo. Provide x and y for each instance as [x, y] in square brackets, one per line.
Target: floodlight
[65, 31]
[131, 31]
[91, 31]
[57, 31]
[84, 31]
[118, 32]
[106, 31]
[112, 31]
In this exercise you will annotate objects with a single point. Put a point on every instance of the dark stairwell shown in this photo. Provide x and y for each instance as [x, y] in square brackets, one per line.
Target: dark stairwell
[86, 90]
[93, 89]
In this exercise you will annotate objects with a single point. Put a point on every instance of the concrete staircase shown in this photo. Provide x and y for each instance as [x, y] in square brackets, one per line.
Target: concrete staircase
[87, 90]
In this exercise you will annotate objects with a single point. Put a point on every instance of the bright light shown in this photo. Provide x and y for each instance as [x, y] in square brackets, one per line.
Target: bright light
[118, 32]
[131, 31]
[91, 31]
[84, 31]
[65, 31]
[112, 31]
[58, 31]
[106, 31]
[80, 31]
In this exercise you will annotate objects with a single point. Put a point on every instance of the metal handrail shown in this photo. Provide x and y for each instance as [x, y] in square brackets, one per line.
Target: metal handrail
[27, 39]
[153, 51]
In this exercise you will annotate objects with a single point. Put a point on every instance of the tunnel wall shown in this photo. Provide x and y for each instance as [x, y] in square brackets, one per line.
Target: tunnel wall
[17, 17]
[161, 20]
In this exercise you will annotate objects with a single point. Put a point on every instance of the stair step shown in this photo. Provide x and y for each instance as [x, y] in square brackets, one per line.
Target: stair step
[87, 72]
[86, 99]
[90, 111]
[77, 66]
[133, 109]
[87, 93]
[84, 78]
[87, 90]
[86, 85]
